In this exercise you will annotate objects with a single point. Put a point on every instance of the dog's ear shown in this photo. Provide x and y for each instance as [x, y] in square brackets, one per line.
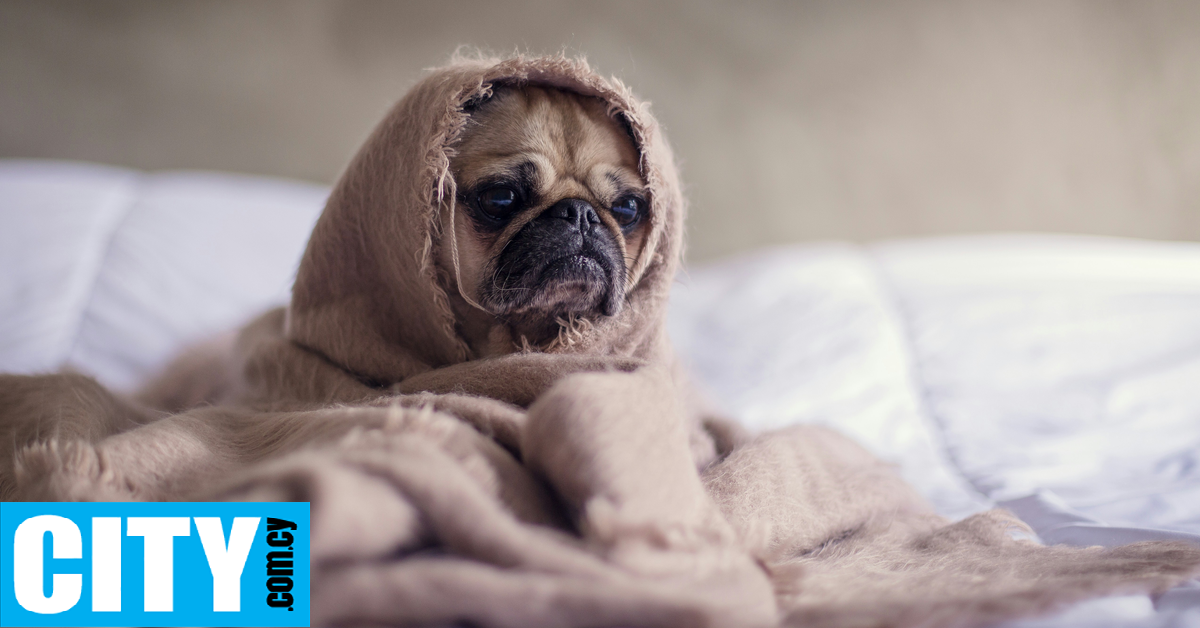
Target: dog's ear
[475, 102]
[623, 121]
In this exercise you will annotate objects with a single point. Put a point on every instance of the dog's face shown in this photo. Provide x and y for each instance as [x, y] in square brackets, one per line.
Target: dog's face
[552, 209]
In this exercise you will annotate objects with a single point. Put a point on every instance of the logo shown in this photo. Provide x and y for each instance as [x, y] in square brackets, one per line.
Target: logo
[154, 564]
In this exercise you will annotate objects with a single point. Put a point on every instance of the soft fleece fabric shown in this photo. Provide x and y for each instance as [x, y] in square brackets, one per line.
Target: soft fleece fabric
[574, 486]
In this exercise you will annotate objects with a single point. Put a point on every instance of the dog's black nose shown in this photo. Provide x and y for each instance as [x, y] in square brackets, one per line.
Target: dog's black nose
[575, 211]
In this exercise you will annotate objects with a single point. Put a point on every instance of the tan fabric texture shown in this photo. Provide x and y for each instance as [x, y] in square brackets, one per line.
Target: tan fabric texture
[568, 485]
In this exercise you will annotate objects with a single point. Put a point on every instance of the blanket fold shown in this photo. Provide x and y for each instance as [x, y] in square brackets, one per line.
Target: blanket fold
[575, 484]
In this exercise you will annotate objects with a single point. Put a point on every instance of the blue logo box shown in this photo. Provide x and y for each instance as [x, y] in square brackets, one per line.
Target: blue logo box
[154, 564]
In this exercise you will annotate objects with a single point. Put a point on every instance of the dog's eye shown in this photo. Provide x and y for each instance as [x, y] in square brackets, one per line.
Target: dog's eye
[627, 211]
[498, 202]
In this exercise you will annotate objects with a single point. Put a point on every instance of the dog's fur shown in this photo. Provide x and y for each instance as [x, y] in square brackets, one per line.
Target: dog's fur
[563, 160]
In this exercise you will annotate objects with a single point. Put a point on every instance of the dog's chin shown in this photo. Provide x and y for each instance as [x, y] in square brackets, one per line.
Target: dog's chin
[576, 284]
[572, 285]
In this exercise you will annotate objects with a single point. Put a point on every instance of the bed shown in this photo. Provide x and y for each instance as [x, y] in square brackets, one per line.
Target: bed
[1057, 376]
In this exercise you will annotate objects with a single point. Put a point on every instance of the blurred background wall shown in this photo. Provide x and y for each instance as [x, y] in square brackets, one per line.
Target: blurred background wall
[793, 120]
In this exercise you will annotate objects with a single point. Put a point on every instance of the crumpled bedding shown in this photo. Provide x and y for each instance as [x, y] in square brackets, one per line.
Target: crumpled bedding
[1011, 363]
[1052, 374]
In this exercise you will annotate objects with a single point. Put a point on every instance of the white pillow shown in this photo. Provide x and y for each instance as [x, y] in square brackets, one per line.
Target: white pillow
[112, 271]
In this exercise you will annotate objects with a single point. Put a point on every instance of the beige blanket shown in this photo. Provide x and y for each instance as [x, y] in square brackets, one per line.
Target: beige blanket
[570, 485]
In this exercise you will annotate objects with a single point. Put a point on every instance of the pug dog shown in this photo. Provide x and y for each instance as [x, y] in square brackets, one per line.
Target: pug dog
[548, 215]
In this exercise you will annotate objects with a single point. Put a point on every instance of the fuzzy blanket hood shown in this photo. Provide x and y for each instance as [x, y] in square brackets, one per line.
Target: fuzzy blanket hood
[568, 485]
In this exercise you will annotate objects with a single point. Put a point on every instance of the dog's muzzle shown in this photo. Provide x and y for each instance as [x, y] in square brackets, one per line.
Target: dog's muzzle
[565, 261]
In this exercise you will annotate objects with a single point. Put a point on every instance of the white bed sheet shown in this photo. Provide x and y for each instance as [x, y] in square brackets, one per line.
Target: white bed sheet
[1057, 376]
[1068, 364]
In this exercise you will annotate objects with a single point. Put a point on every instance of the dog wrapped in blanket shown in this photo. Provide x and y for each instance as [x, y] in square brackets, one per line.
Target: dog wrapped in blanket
[473, 387]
